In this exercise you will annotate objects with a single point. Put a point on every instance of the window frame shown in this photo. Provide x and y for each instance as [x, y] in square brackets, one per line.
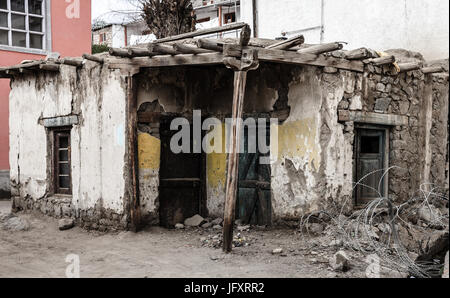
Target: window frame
[229, 14]
[46, 29]
[56, 133]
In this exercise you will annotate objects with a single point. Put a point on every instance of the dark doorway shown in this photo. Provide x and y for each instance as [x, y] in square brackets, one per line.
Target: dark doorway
[182, 182]
[370, 154]
[253, 204]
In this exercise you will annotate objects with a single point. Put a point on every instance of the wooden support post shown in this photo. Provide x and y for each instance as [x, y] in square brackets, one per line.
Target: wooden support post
[248, 61]
[287, 44]
[322, 48]
[133, 165]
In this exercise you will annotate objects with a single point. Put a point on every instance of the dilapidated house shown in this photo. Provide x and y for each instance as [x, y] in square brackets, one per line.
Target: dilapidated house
[90, 138]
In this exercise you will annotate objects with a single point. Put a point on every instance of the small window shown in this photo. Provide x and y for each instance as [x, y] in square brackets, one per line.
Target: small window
[230, 18]
[62, 162]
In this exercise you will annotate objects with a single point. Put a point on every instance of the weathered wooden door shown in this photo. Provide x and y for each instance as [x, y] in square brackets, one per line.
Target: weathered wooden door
[253, 204]
[370, 156]
[181, 191]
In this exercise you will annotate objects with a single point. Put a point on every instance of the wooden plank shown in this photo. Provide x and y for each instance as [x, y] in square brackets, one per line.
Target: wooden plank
[322, 48]
[308, 59]
[139, 52]
[161, 61]
[287, 44]
[240, 78]
[246, 34]
[202, 32]
[372, 118]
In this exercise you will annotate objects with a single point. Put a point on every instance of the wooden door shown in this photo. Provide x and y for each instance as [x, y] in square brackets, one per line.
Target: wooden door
[181, 191]
[253, 204]
[370, 156]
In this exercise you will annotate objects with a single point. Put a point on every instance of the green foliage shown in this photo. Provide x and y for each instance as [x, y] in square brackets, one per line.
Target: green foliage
[99, 48]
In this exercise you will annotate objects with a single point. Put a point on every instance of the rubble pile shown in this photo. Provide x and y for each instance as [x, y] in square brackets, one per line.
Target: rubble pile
[410, 238]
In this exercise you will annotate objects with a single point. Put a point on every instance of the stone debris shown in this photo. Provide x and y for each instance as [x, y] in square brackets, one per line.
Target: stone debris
[179, 226]
[217, 227]
[215, 240]
[66, 224]
[340, 261]
[11, 222]
[336, 243]
[217, 221]
[207, 225]
[277, 251]
[429, 213]
[315, 228]
[194, 221]
[243, 228]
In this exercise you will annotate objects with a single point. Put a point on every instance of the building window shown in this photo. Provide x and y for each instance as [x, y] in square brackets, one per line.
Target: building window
[62, 164]
[102, 38]
[22, 23]
[204, 20]
[230, 18]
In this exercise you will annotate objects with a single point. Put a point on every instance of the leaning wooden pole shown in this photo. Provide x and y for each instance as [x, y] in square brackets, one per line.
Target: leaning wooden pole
[240, 78]
[247, 61]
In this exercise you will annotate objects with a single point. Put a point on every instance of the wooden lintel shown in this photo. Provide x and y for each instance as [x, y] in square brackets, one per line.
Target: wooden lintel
[372, 118]
[72, 62]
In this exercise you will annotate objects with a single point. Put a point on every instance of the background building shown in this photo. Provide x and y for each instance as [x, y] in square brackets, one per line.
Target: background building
[416, 25]
[31, 29]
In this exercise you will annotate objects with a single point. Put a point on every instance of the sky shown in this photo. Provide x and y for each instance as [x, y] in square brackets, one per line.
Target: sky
[106, 9]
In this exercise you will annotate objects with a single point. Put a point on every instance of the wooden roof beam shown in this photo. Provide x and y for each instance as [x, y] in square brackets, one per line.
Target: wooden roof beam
[185, 49]
[287, 44]
[432, 69]
[321, 49]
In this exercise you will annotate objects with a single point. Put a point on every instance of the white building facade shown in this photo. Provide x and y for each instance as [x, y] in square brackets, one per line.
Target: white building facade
[417, 25]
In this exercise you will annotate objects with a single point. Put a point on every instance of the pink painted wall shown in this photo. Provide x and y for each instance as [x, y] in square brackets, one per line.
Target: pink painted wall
[70, 37]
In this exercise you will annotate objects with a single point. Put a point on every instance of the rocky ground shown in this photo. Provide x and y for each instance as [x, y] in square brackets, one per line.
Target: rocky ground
[32, 245]
[35, 247]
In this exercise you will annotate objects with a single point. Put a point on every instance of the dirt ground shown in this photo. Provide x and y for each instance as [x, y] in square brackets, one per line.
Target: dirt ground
[157, 252]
